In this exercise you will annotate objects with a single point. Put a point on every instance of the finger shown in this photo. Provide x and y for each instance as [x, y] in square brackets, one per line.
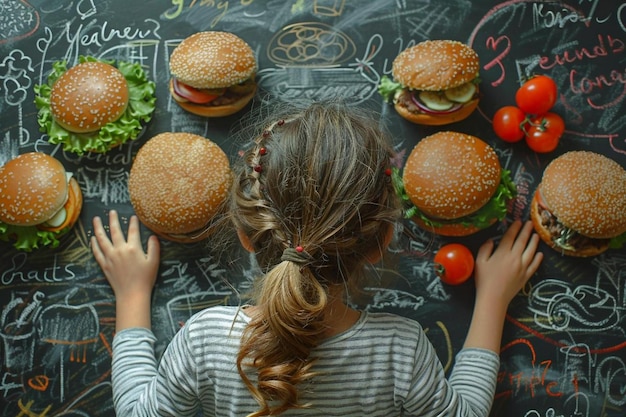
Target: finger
[134, 235]
[97, 251]
[531, 246]
[153, 248]
[534, 265]
[485, 251]
[510, 235]
[523, 237]
[117, 236]
[100, 234]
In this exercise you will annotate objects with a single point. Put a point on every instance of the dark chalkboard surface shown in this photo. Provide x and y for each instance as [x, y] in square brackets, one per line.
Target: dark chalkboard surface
[564, 347]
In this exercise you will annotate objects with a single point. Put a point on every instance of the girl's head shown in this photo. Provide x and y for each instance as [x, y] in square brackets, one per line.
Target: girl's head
[317, 179]
[313, 199]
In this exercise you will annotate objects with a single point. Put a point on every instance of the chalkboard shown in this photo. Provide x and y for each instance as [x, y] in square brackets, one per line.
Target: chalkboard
[564, 346]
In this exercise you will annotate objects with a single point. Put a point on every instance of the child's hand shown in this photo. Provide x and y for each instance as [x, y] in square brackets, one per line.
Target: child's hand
[130, 271]
[502, 273]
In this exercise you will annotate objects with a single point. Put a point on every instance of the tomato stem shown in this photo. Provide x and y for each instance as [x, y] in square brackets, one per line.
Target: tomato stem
[528, 122]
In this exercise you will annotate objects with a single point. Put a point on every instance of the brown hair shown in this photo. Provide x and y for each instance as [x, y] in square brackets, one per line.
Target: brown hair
[314, 183]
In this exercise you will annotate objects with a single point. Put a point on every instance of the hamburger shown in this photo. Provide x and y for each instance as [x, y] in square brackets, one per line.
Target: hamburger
[39, 201]
[452, 184]
[213, 74]
[434, 82]
[95, 105]
[178, 183]
[579, 207]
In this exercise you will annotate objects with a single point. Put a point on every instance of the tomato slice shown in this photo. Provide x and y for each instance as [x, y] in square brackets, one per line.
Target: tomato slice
[192, 94]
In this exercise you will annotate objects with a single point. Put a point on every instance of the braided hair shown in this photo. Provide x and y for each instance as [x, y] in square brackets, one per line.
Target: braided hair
[314, 197]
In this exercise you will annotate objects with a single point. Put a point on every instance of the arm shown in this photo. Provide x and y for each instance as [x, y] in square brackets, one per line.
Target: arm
[130, 272]
[140, 385]
[499, 276]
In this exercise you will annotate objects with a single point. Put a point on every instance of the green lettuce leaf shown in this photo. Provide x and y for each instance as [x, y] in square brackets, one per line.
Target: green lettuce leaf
[27, 238]
[141, 105]
[496, 207]
[618, 241]
[388, 88]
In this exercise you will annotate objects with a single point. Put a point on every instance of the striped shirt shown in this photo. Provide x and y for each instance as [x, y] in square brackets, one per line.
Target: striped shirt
[383, 365]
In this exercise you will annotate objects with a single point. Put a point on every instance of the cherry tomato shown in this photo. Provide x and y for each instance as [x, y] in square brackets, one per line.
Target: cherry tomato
[454, 263]
[537, 95]
[507, 123]
[544, 132]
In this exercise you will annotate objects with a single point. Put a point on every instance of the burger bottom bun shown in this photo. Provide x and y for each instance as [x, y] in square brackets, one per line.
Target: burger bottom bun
[452, 229]
[212, 111]
[185, 238]
[437, 119]
[545, 235]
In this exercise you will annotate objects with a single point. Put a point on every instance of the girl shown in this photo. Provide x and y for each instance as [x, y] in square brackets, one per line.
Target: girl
[313, 201]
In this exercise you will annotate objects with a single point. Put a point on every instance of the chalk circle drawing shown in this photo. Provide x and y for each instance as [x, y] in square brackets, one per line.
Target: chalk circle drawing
[563, 306]
[577, 48]
[18, 20]
[309, 56]
[310, 44]
[180, 308]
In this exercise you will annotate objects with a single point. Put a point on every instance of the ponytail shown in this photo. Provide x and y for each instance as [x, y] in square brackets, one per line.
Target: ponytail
[285, 327]
[316, 177]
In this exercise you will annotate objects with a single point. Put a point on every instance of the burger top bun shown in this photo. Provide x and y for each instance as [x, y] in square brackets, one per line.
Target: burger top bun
[436, 65]
[33, 187]
[449, 174]
[177, 184]
[586, 191]
[88, 96]
[212, 60]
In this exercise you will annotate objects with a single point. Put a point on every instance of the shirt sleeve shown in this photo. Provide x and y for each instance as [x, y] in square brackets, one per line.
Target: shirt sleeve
[144, 387]
[469, 391]
[474, 378]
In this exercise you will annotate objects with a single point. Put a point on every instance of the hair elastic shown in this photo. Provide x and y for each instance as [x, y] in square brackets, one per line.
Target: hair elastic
[296, 255]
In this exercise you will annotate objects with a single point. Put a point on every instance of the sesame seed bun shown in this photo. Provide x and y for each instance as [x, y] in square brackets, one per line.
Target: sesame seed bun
[435, 65]
[178, 183]
[585, 192]
[212, 60]
[449, 175]
[88, 96]
[33, 187]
